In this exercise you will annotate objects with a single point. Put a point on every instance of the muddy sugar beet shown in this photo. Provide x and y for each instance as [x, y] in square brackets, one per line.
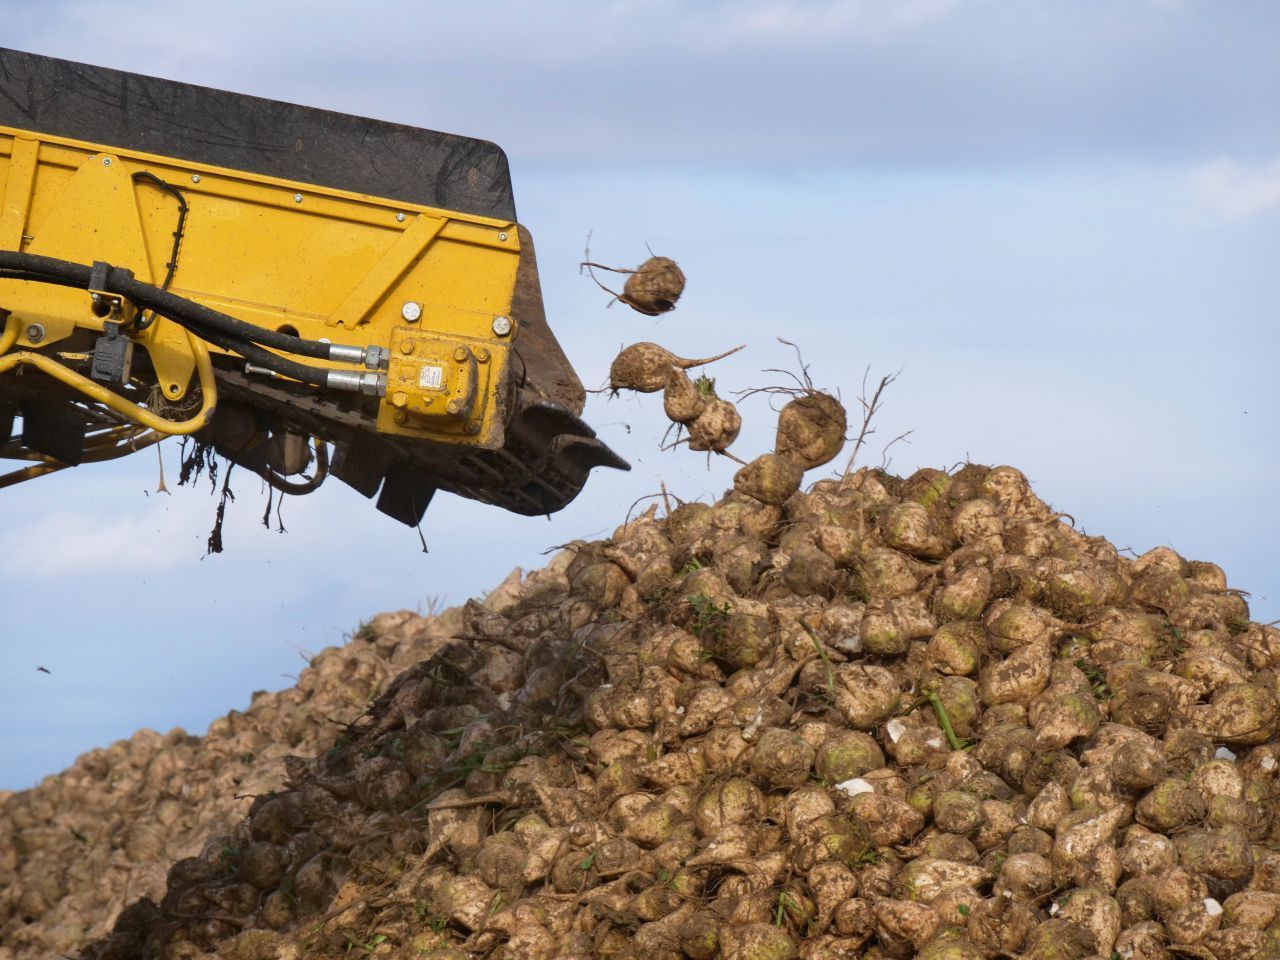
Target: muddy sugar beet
[651, 288]
[880, 717]
[646, 367]
[811, 429]
[655, 286]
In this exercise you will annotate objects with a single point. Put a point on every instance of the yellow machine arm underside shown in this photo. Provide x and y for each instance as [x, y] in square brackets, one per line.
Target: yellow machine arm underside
[430, 289]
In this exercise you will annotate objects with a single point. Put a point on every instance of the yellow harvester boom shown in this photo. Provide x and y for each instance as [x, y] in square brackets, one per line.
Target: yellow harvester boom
[155, 293]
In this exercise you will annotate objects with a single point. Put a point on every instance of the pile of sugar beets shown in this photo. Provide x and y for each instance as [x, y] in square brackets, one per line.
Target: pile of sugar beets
[873, 717]
[879, 717]
[85, 843]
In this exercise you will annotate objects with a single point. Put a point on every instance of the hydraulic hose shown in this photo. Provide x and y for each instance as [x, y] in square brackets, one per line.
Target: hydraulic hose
[218, 328]
[316, 376]
[117, 280]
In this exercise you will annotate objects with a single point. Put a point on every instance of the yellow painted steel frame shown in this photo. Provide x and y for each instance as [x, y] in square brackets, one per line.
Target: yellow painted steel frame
[425, 284]
[126, 408]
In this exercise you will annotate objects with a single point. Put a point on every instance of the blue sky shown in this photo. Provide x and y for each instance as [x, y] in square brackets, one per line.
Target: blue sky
[1060, 221]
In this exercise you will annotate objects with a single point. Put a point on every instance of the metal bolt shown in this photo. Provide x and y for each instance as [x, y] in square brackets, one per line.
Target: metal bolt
[472, 427]
[460, 354]
[502, 236]
[399, 399]
[297, 198]
[502, 326]
[35, 333]
[454, 406]
[195, 178]
[406, 347]
[411, 311]
[400, 416]
[106, 161]
[400, 217]
[482, 354]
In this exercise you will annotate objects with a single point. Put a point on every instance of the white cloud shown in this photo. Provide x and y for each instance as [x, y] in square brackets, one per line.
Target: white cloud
[777, 22]
[1239, 190]
[67, 542]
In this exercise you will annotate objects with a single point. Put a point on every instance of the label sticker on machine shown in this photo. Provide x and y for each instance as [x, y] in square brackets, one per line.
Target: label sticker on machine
[431, 378]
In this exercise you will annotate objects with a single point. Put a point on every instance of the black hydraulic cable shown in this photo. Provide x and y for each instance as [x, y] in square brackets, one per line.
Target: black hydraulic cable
[316, 376]
[30, 266]
[146, 176]
[76, 273]
[300, 488]
[187, 312]
[218, 328]
[38, 278]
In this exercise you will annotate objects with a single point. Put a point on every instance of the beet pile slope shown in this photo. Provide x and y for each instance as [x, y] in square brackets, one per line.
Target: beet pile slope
[886, 718]
[85, 843]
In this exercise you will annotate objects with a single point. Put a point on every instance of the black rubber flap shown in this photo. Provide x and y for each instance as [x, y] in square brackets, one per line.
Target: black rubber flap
[128, 111]
[405, 495]
[53, 429]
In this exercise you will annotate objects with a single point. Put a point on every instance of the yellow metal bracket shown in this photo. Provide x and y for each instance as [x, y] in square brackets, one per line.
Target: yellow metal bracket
[126, 408]
[94, 218]
[17, 192]
[387, 271]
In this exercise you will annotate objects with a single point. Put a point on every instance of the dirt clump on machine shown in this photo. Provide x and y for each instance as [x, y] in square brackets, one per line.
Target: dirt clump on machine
[885, 718]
